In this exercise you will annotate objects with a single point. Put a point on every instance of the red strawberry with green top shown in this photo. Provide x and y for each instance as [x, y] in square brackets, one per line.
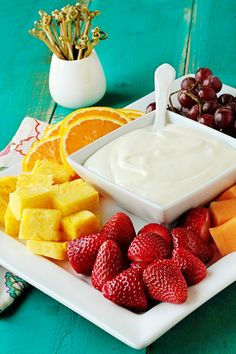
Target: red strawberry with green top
[148, 247]
[109, 262]
[159, 230]
[193, 243]
[165, 282]
[120, 229]
[127, 290]
[191, 267]
[197, 220]
[138, 266]
[82, 252]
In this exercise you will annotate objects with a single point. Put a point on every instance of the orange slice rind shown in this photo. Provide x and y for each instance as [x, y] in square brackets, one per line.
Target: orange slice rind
[51, 130]
[93, 112]
[83, 132]
[44, 149]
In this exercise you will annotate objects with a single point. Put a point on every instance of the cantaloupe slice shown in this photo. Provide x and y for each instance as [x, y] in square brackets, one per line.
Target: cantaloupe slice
[222, 211]
[228, 194]
[225, 236]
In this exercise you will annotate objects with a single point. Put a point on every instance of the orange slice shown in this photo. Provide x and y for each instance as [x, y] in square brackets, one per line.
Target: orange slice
[84, 131]
[51, 130]
[93, 113]
[45, 149]
[130, 113]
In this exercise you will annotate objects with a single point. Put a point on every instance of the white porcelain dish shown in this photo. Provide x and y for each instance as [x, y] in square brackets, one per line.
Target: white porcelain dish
[138, 205]
[76, 292]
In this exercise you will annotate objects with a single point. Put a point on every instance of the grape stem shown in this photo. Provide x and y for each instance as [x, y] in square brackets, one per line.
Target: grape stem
[191, 95]
[170, 101]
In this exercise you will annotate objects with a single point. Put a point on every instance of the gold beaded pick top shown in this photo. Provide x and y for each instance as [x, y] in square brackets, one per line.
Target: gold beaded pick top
[67, 32]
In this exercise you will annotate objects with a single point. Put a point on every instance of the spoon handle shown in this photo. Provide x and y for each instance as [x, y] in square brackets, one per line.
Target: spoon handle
[164, 78]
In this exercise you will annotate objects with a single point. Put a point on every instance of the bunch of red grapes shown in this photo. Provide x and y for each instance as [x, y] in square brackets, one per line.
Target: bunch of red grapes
[198, 101]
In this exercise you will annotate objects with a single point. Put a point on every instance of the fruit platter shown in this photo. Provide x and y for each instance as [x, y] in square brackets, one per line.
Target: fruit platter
[132, 276]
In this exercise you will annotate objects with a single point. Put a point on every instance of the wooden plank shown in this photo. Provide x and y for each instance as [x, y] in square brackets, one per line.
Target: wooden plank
[142, 35]
[42, 325]
[24, 66]
[213, 38]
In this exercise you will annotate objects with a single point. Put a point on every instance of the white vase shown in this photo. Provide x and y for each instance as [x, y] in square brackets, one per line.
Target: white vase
[77, 83]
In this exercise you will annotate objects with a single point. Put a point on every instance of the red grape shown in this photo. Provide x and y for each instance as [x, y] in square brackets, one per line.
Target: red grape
[193, 113]
[225, 98]
[232, 106]
[185, 100]
[223, 118]
[188, 83]
[206, 93]
[209, 107]
[151, 107]
[198, 87]
[233, 129]
[184, 111]
[202, 74]
[207, 119]
[213, 82]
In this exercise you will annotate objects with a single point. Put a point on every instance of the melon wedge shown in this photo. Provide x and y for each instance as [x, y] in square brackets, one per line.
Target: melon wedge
[222, 211]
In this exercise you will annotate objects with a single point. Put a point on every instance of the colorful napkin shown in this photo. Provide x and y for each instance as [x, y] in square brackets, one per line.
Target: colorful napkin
[30, 130]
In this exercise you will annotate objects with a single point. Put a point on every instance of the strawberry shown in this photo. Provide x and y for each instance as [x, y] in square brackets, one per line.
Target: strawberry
[108, 264]
[138, 267]
[120, 229]
[190, 241]
[148, 247]
[191, 267]
[157, 229]
[127, 290]
[197, 220]
[82, 252]
[165, 282]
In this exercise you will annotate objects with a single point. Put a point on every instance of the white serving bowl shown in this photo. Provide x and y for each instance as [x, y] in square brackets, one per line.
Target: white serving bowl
[143, 208]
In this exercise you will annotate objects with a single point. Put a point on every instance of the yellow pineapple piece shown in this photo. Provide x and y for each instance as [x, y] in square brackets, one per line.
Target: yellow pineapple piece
[71, 197]
[27, 179]
[99, 218]
[40, 224]
[30, 197]
[80, 224]
[12, 226]
[7, 184]
[3, 208]
[56, 250]
[57, 170]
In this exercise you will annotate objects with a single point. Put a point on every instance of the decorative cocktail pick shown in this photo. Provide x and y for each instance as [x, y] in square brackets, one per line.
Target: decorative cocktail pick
[67, 33]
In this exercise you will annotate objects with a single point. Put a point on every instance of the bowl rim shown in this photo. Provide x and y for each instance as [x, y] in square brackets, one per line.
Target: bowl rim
[147, 119]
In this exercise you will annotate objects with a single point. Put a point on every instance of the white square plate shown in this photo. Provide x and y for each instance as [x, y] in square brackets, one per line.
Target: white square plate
[75, 292]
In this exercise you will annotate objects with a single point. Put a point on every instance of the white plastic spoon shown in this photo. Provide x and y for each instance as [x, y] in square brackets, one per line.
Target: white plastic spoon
[164, 78]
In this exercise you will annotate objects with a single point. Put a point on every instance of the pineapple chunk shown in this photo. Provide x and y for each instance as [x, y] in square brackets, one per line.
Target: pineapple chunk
[40, 224]
[3, 208]
[12, 226]
[57, 170]
[99, 218]
[56, 250]
[7, 184]
[71, 197]
[80, 224]
[30, 197]
[26, 180]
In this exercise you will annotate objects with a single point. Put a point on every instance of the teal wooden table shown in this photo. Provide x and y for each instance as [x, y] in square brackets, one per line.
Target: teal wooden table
[142, 34]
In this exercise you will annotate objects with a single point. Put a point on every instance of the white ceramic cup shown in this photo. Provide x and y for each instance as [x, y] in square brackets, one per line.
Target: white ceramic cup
[77, 83]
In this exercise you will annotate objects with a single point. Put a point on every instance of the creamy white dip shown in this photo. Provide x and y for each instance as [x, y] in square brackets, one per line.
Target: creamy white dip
[164, 166]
